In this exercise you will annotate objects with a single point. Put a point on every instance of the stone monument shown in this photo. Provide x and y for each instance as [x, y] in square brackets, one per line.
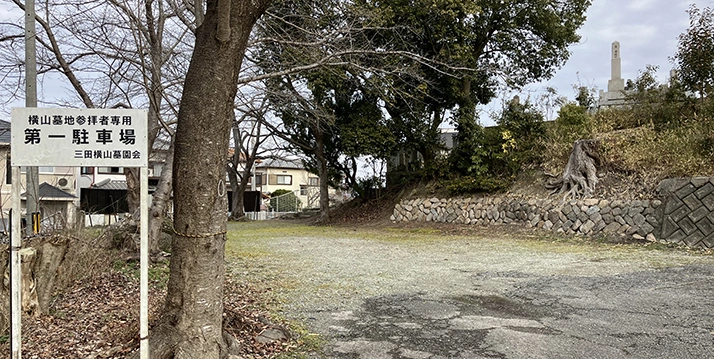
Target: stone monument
[615, 95]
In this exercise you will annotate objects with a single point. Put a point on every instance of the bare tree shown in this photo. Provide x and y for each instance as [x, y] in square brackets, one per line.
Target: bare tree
[252, 141]
[118, 55]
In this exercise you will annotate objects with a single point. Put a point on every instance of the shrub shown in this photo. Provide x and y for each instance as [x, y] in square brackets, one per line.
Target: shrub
[284, 201]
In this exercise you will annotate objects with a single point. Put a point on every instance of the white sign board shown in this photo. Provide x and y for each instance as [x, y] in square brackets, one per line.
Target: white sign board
[79, 137]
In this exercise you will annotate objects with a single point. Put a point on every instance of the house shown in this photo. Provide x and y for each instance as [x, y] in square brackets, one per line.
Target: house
[57, 190]
[291, 175]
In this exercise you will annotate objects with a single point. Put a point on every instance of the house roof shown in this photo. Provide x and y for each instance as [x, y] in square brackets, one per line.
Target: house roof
[110, 185]
[50, 192]
[278, 163]
[5, 137]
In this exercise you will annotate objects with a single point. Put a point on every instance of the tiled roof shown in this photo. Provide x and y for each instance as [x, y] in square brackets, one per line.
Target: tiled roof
[48, 191]
[273, 163]
[111, 185]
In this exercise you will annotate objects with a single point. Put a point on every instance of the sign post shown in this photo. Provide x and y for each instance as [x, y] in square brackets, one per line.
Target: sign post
[78, 138]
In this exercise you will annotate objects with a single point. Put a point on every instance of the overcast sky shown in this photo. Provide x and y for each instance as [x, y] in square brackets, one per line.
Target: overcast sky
[646, 29]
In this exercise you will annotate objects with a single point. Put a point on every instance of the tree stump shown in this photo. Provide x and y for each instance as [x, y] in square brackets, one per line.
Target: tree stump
[580, 175]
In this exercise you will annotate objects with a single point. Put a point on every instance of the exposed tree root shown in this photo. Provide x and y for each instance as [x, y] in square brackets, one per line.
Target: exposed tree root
[580, 175]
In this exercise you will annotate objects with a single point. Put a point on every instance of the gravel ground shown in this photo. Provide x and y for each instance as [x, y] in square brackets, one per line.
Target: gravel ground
[423, 293]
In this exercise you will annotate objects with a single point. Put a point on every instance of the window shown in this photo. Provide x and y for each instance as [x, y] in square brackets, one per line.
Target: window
[8, 170]
[258, 179]
[303, 190]
[284, 179]
[46, 169]
[110, 170]
[314, 181]
[87, 170]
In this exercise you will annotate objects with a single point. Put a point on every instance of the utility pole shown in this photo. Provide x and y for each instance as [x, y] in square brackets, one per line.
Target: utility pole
[31, 173]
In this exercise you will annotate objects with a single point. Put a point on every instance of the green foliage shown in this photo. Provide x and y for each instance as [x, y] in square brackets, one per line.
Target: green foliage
[283, 200]
[655, 104]
[573, 123]
[522, 129]
[695, 52]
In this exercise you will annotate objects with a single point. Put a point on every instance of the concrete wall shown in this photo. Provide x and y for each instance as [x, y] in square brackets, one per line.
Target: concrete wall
[682, 214]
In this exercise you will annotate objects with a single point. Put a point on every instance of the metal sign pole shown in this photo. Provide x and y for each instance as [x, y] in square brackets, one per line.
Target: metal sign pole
[15, 269]
[144, 264]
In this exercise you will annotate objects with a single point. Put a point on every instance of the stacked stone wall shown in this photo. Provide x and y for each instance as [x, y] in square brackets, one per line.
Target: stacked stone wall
[682, 214]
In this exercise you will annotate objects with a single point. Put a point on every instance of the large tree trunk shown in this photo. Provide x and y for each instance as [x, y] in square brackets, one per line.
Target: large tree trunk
[580, 175]
[191, 323]
[322, 173]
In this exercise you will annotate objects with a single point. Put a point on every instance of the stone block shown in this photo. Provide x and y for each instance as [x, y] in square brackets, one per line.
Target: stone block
[639, 219]
[587, 227]
[708, 201]
[693, 239]
[608, 218]
[566, 208]
[656, 203]
[672, 204]
[708, 241]
[623, 229]
[620, 220]
[572, 216]
[562, 216]
[548, 225]
[582, 216]
[704, 190]
[687, 226]
[636, 203]
[669, 226]
[645, 229]
[616, 211]
[635, 210]
[591, 201]
[705, 226]
[629, 220]
[680, 213]
[685, 190]
[698, 214]
[676, 237]
[652, 220]
[576, 225]
[692, 202]
[605, 210]
[599, 227]
[596, 217]
[567, 224]
[592, 210]
[630, 231]
[699, 181]
[534, 221]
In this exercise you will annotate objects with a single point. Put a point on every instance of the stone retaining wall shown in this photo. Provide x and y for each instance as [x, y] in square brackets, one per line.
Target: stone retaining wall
[688, 215]
[683, 215]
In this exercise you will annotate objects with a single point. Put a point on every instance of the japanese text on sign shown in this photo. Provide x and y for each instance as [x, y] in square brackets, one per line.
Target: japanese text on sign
[79, 137]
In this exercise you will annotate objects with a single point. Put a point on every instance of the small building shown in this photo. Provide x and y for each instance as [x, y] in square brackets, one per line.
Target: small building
[291, 175]
[57, 190]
